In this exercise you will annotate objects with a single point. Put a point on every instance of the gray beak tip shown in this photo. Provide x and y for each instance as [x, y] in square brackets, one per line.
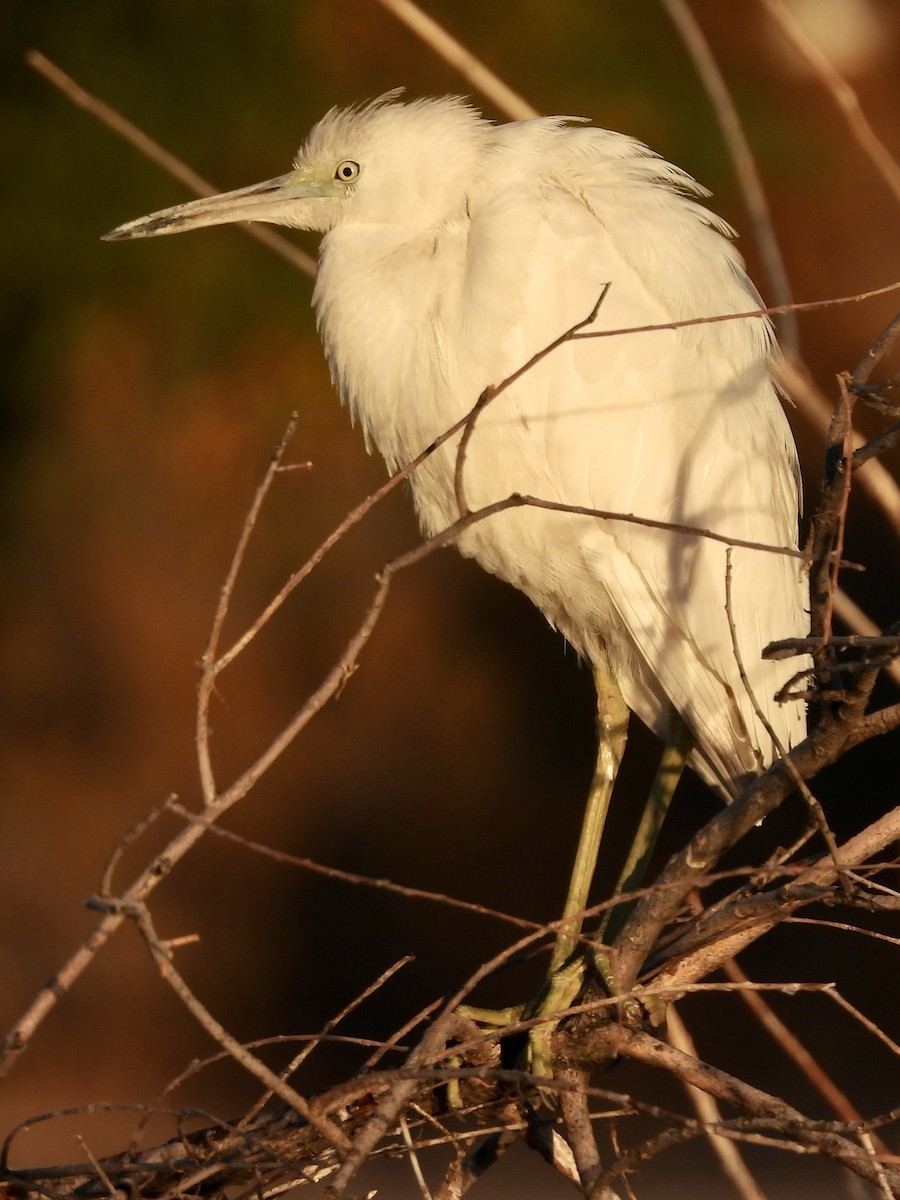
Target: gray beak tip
[142, 227]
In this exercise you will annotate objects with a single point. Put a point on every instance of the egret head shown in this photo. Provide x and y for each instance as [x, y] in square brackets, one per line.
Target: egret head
[408, 165]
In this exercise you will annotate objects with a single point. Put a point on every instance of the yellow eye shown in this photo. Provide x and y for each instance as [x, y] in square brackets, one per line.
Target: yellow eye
[346, 171]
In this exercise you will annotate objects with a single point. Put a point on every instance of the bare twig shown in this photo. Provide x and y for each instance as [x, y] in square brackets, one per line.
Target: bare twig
[708, 1112]
[840, 91]
[744, 163]
[794, 1048]
[303, 1054]
[353, 877]
[722, 942]
[162, 953]
[829, 1139]
[207, 662]
[452, 51]
[113, 120]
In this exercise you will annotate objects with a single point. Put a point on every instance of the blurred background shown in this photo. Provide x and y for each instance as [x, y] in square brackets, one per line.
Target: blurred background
[143, 388]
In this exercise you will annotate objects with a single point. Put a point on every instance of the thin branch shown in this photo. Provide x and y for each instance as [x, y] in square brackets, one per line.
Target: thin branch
[829, 1139]
[424, 1191]
[795, 1050]
[152, 150]
[162, 954]
[709, 1114]
[744, 163]
[698, 953]
[207, 661]
[762, 796]
[352, 877]
[844, 429]
[876, 480]
[458, 56]
[840, 91]
[325, 1035]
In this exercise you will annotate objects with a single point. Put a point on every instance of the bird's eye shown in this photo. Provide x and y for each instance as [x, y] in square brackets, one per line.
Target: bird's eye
[346, 171]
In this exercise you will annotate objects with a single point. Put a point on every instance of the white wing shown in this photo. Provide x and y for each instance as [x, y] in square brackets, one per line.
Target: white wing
[682, 426]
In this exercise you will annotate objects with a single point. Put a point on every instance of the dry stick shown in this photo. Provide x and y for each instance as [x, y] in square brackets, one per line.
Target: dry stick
[843, 501]
[162, 954]
[841, 92]
[394, 1041]
[795, 1050]
[883, 1184]
[424, 1191]
[846, 927]
[742, 156]
[709, 1114]
[491, 393]
[878, 351]
[765, 311]
[723, 925]
[314, 1042]
[575, 1110]
[467, 1169]
[825, 524]
[76, 1110]
[863, 1020]
[453, 52]
[812, 803]
[114, 120]
[706, 958]
[617, 1151]
[352, 877]
[875, 725]
[789, 647]
[95, 1163]
[207, 661]
[154, 1107]
[829, 1140]
[824, 529]
[876, 480]
[882, 489]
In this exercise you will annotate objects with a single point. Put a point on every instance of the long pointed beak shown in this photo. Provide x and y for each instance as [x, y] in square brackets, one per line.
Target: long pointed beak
[274, 201]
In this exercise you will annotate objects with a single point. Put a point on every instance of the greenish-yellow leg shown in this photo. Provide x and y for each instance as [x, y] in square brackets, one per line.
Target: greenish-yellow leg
[679, 743]
[567, 964]
[566, 970]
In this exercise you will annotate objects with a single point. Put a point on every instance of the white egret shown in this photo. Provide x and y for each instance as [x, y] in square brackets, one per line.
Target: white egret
[455, 249]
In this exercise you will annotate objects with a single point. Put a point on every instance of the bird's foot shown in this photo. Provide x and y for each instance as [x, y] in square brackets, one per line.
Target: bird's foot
[540, 1016]
[638, 1006]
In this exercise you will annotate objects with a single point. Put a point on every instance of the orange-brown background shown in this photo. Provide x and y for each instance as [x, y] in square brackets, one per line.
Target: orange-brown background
[143, 387]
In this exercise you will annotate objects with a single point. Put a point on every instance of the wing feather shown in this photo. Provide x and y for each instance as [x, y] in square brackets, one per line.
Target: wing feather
[678, 425]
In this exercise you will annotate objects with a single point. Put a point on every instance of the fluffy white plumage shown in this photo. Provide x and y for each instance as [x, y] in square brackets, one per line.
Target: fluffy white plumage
[454, 250]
